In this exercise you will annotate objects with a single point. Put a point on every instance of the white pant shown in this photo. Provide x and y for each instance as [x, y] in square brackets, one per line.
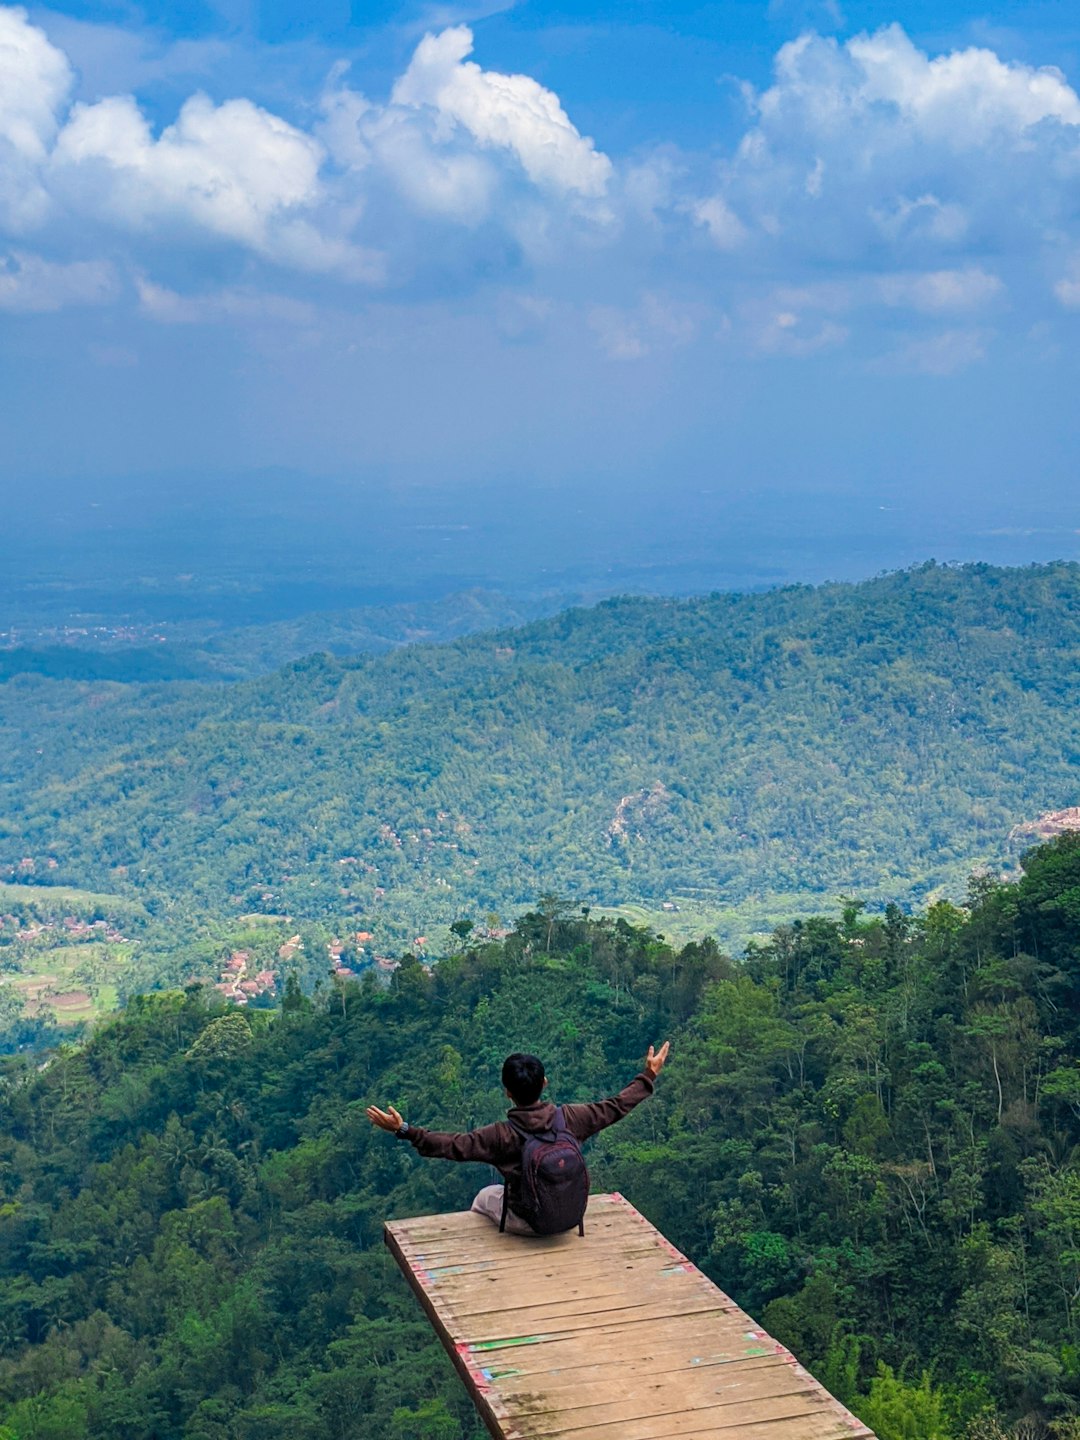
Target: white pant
[489, 1203]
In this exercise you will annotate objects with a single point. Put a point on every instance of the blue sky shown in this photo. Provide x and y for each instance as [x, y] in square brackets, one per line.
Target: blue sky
[828, 249]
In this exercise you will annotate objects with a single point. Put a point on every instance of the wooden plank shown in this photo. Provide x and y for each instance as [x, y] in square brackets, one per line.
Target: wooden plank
[614, 1336]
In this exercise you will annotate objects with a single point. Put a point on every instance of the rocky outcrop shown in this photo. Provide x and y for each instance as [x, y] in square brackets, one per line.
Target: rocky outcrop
[1053, 822]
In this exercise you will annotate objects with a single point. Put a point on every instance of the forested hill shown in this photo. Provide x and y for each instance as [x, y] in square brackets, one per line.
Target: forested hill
[868, 1134]
[879, 738]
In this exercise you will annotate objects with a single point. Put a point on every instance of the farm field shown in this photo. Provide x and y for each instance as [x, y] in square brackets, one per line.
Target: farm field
[752, 920]
[66, 899]
[63, 952]
[73, 983]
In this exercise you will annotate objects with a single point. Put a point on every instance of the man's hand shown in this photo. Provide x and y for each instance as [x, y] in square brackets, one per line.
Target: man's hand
[654, 1061]
[389, 1119]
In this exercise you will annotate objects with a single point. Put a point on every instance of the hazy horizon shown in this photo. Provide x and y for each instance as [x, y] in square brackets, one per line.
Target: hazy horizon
[273, 548]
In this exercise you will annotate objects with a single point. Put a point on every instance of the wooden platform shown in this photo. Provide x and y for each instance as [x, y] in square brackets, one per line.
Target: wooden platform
[612, 1337]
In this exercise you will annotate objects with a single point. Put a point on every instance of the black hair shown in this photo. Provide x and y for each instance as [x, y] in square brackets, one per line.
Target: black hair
[523, 1076]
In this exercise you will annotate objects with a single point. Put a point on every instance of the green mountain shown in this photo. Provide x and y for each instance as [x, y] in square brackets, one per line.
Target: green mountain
[868, 1134]
[755, 751]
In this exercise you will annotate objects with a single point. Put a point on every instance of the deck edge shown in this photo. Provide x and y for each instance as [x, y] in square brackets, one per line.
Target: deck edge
[500, 1428]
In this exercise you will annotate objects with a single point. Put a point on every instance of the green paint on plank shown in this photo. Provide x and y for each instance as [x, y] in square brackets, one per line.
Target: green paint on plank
[500, 1344]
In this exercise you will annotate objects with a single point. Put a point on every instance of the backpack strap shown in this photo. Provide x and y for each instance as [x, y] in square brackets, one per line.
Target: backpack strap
[522, 1135]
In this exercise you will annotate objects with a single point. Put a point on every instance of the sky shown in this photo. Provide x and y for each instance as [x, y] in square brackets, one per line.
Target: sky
[823, 252]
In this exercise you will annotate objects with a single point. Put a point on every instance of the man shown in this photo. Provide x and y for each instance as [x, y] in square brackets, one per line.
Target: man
[501, 1144]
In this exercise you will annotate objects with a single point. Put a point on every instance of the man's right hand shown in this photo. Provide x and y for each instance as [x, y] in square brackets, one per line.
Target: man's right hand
[387, 1119]
[654, 1061]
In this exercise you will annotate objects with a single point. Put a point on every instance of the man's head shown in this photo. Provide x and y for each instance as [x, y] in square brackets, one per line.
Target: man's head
[523, 1078]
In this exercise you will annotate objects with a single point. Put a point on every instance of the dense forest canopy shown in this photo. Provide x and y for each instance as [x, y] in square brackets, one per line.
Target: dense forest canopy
[764, 750]
[868, 1133]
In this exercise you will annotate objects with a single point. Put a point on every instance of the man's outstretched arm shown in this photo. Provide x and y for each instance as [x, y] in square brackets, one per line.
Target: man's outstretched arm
[486, 1146]
[586, 1120]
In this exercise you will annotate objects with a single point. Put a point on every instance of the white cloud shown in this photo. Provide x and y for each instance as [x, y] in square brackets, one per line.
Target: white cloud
[815, 178]
[874, 140]
[470, 148]
[231, 169]
[30, 284]
[789, 333]
[871, 175]
[945, 353]
[435, 178]
[725, 228]
[961, 99]
[925, 220]
[447, 143]
[509, 112]
[35, 81]
[169, 307]
[938, 291]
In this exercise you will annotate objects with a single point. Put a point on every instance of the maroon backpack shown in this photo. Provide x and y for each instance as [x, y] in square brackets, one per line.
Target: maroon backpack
[554, 1180]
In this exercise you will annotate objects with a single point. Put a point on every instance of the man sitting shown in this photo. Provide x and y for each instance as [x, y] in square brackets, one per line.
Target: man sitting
[503, 1143]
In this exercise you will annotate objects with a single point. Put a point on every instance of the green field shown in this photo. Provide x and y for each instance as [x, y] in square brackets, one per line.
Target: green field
[73, 983]
[60, 977]
[734, 926]
[67, 900]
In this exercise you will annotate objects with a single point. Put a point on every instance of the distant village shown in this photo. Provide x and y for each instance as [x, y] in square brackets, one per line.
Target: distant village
[79, 635]
[69, 928]
[241, 982]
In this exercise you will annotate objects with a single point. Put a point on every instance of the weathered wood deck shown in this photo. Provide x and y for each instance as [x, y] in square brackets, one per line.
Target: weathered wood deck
[612, 1337]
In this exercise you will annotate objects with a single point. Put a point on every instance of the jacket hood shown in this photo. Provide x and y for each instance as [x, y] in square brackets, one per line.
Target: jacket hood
[533, 1118]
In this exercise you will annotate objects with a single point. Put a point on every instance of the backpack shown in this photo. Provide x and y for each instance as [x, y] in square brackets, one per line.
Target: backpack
[554, 1180]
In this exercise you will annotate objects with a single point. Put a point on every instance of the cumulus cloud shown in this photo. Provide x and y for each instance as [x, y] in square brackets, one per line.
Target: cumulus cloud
[468, 146]
[35, 81]
[448, 137]
[231, 169]
[423, 166]
[876, 185]
[873, 142]
[512, 113]
[962, 99]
